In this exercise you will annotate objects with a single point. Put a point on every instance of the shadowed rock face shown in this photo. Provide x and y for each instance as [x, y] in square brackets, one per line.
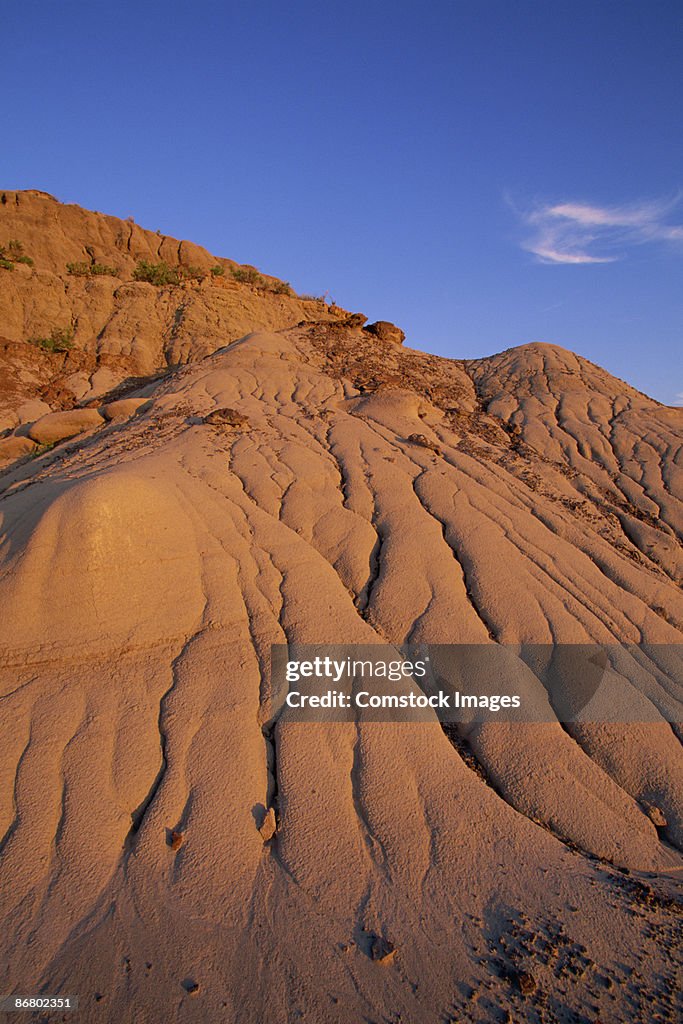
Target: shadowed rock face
[275, 491]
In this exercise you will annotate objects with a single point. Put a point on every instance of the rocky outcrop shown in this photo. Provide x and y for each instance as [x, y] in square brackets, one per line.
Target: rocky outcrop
[81, 281]
[386, 331]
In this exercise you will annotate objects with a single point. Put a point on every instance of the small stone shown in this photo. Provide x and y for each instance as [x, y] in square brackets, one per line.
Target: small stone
[424, 442]
[268, 826]
[656, 815]
[381, 949]
[175, 840]
[526, 983]
[191, 987]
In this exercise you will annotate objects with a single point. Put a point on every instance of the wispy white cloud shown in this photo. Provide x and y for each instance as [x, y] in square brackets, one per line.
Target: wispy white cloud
[679, 398]
[575, 232]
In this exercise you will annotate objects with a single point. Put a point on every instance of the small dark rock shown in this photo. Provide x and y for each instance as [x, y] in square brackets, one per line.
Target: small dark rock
[191, 987]
[175, 840]
[386, 331]
[655, 814]
[226, 419]
[380, 948]
[424, 442]
[526, 983]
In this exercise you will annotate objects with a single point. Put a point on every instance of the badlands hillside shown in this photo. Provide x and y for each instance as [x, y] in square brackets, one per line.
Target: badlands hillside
[197, 465]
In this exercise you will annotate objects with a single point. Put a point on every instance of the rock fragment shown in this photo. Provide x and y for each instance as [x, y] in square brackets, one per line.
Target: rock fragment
[424, 442]
[226, 419]
[176, 840]
[656, 815]
[268, 826]
[526, 983]
[381, 949]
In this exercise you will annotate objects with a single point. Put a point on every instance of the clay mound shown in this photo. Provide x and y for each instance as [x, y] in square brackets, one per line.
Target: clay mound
[620, 447]
[344, 872]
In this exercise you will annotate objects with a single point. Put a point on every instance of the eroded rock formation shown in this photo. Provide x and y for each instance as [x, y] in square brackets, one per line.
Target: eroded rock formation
[334, 872]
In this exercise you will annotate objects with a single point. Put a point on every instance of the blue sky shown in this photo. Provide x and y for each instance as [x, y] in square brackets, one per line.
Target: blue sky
[482, 173]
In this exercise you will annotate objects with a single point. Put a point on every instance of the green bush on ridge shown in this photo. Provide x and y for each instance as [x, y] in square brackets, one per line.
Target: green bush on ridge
[158, 274]
[13, 253]
[249, 275]
[161, 274]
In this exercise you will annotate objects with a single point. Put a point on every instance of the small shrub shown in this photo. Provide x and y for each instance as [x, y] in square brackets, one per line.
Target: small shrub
[158, 274]
[78, 269]
[281, 288]
[40, 449]
[217, 271]
[312, 298]
[13, 253]
[91, 270]
[247, 275]
[60, 339]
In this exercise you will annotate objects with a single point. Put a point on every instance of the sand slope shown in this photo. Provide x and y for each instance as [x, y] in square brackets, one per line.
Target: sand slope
[147, 567]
